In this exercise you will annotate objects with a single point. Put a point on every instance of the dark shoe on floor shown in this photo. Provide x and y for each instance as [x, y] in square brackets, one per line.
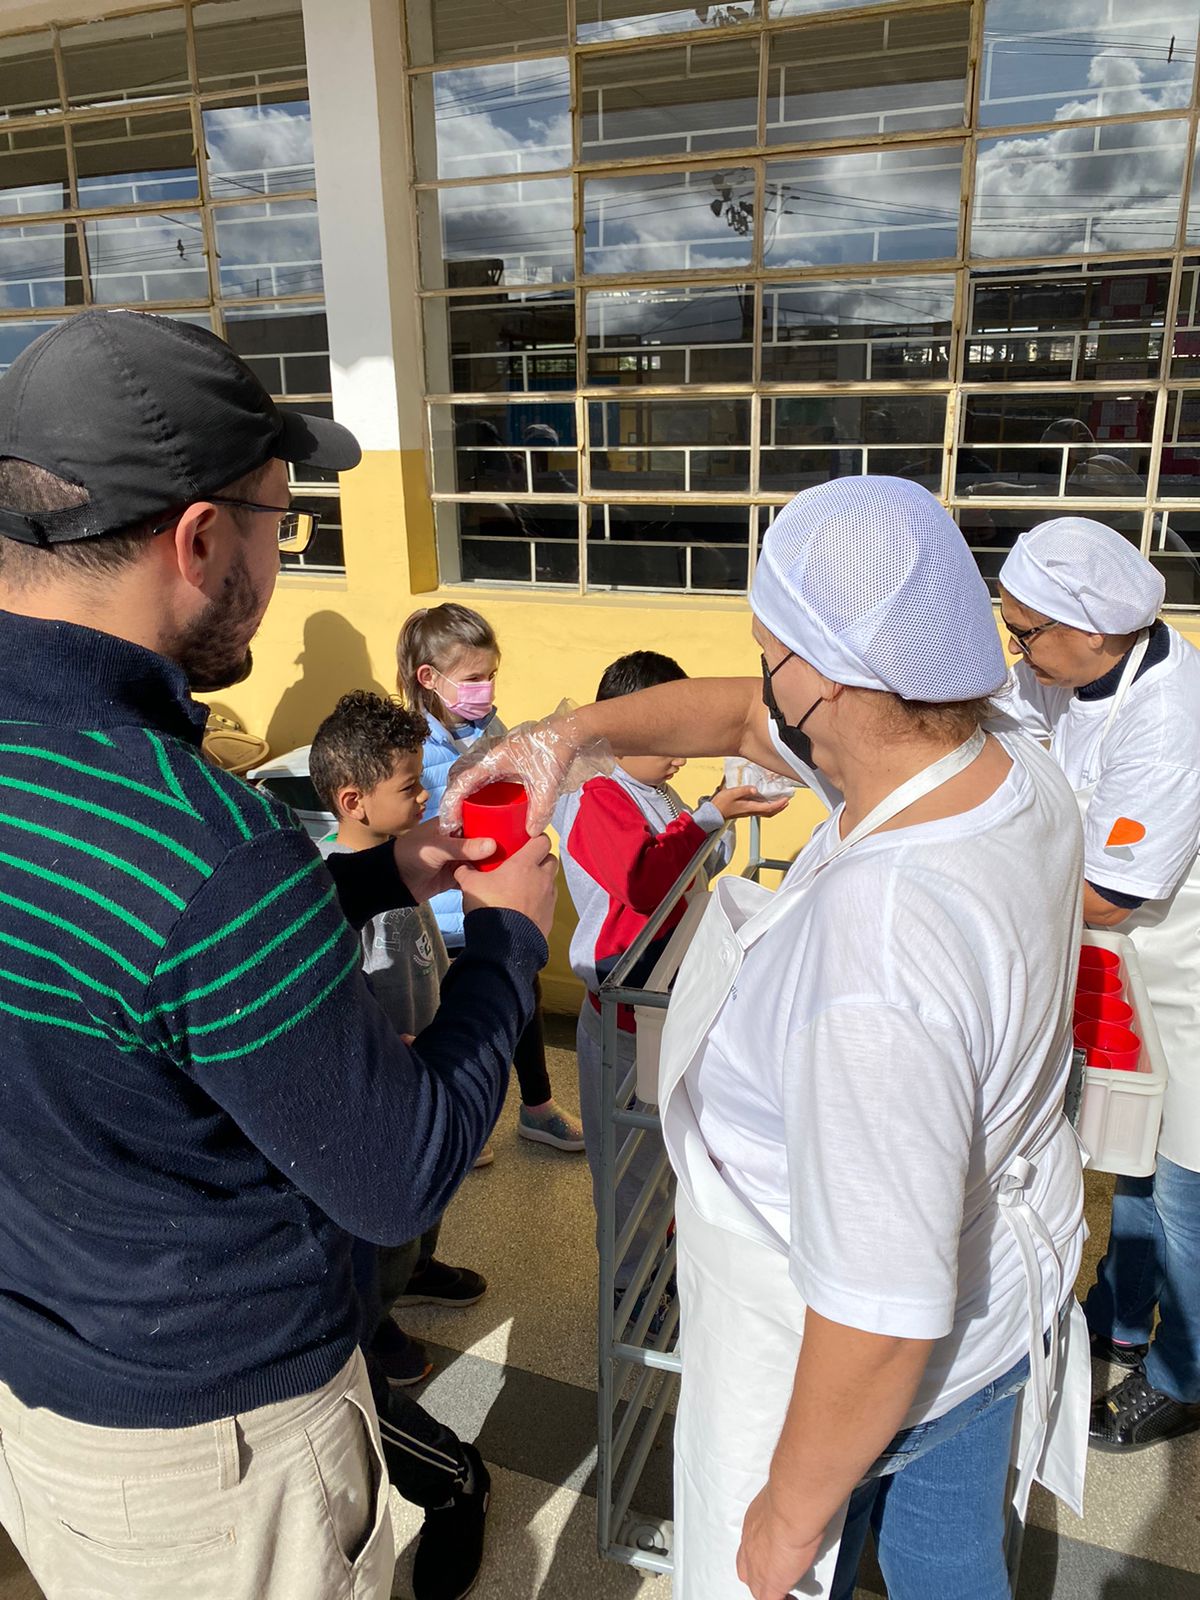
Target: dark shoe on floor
[402, 1359]
[1134, 1415]
[440, 1285]
[450, 1545]
[1129, 1356]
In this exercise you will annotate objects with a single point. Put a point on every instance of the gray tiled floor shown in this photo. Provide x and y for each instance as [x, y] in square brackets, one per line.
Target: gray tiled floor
[517, 1371]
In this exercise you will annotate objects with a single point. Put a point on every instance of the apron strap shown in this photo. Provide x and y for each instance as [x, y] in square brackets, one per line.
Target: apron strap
[1026, 1226]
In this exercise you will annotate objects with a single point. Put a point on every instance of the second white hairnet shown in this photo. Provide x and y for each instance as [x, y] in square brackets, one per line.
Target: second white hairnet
[1085, 574]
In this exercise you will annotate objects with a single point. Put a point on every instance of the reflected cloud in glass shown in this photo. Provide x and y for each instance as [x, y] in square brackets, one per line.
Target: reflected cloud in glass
[857, 329]
[1085, 58]
[1075, 190]
[879, 205]
[489, 234]
[154, 256]
[513, 117]
[269, 250]
[671, 335]
[39, 266]
[258, 148]
[671, 221]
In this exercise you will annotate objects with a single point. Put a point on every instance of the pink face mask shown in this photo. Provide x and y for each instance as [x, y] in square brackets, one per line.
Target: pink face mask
[472, 701]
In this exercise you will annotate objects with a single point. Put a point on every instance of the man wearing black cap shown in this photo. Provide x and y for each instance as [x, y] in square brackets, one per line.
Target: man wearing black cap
[199, 1098]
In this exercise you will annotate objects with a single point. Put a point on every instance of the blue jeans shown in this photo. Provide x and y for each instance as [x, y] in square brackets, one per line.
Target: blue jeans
[1153, 1258]
[935, 1501]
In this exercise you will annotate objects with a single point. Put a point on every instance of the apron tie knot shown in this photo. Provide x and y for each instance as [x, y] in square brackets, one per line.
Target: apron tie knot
[1014, 1181]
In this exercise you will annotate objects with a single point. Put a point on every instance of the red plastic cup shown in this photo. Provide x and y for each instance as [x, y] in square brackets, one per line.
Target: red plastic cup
[497, 812]
[1096, 980]
[1121, 1046]
[1103, 1008]
[1095, 955]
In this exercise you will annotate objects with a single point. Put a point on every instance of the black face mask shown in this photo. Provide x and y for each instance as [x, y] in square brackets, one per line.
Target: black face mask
[790, 734]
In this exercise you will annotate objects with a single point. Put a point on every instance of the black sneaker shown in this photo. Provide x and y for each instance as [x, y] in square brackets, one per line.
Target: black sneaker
[1134, 1415]
[1129, 1356]
[439, 1285]
[450, 1546]
[402, 1359]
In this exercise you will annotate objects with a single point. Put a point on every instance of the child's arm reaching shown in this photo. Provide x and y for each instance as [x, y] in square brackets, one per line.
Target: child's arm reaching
[613, 843]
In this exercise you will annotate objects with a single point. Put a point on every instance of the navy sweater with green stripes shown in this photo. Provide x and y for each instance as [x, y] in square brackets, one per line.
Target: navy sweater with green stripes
[200, 1100]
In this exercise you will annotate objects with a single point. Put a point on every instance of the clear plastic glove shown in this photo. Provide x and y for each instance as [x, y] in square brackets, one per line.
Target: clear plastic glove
[550, 758]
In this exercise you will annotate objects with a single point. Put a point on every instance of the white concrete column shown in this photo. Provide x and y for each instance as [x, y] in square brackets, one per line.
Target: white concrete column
[356, 89]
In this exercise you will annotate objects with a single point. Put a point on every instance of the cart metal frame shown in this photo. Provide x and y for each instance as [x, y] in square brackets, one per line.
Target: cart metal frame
[639, 1366]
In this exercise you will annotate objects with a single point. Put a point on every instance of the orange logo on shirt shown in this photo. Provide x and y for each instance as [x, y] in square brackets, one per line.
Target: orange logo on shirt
[1125, 831]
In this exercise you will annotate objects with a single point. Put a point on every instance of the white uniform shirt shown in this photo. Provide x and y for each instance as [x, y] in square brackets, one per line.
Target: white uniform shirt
[1142, 831]
[889, 1047]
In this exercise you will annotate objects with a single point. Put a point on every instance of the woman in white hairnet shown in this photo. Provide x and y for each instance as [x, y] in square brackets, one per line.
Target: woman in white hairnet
[1118, 692]
[880, 1203]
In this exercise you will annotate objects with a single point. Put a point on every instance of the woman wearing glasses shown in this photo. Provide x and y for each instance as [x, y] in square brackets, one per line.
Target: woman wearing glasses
[1118, 693]
[879, 1215]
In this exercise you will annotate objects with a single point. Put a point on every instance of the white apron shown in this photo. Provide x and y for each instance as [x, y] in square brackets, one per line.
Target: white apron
[1169, 956]
[743, 1318]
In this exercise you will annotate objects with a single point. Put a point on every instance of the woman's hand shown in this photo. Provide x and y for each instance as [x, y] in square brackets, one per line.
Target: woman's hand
[774, 1556]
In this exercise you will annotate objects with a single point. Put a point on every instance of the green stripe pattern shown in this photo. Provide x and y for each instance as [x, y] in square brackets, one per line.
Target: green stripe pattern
[152, 903]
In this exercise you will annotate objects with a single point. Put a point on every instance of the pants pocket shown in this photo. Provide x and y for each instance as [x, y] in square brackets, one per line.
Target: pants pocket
[12, 1514]
[354, 1483]
[164, 1551]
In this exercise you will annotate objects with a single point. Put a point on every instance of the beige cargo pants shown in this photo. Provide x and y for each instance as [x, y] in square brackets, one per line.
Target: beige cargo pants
[288, 1502]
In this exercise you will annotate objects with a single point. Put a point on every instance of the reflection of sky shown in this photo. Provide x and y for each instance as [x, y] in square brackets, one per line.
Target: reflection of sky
[878, 206]
[269, 249]
[16, 336]
[514, 117]
[526, 226]
[32, 269]
[1074, 190]
[150, 257]
[1085, 58]
[857, 303]
[665, 317]
[666, 222]
[258, 149]
[628, 19]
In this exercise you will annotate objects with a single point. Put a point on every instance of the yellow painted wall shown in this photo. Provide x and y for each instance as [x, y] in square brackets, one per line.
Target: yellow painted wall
[323, 636]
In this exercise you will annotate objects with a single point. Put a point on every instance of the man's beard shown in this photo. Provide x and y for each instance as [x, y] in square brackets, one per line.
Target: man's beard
[214, 650]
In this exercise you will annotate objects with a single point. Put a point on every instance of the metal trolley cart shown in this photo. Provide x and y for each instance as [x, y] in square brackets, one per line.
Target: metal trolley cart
[639, 1361]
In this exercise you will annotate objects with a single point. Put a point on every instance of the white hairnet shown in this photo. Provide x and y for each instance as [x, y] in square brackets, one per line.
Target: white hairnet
[871, 582]
[1084, 574]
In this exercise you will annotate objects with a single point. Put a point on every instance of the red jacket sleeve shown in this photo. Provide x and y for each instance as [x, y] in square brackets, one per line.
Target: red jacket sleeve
[611, 840]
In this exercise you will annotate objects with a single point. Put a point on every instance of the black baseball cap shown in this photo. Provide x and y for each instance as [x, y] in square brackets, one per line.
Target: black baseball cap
[146, 414]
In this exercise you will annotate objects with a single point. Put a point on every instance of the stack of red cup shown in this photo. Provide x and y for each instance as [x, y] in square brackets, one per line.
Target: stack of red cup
[1103, 1018]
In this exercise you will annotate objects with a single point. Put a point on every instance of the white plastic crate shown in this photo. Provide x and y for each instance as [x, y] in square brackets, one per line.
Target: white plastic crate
[1120, 1112]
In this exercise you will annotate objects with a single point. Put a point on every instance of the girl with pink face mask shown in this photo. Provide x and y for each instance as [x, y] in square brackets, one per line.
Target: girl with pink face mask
[447, 659]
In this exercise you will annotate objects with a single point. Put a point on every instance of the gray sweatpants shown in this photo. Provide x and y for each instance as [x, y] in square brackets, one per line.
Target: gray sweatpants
[587, 1047]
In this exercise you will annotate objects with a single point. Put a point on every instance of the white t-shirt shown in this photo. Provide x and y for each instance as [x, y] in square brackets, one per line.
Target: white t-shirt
[888, 1048]
[1142, 833]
